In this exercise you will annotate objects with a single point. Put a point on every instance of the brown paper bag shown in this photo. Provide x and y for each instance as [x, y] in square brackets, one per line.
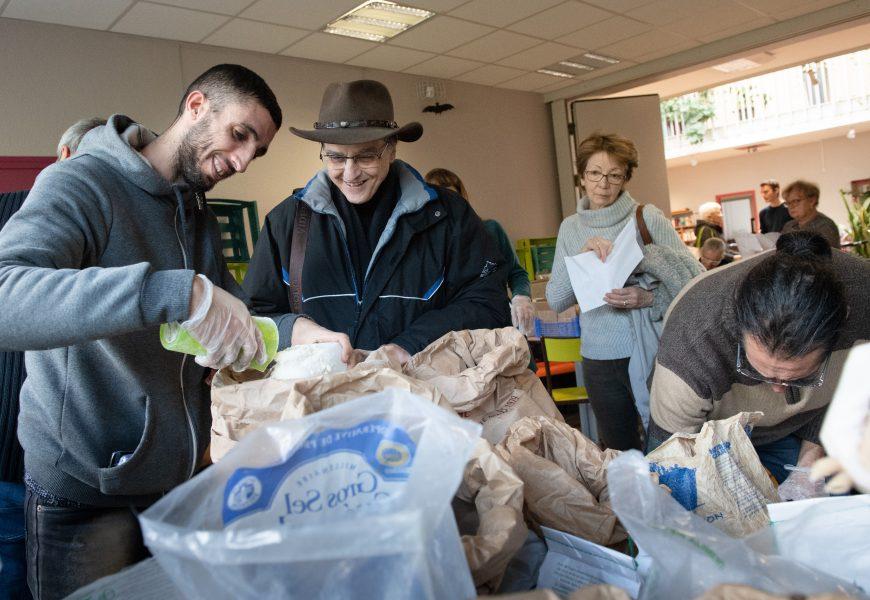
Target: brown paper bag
[589, 592]
[241, 402]
[484, 373]
[730, 487]
[744, 592]
[497, 496]
[565, 477]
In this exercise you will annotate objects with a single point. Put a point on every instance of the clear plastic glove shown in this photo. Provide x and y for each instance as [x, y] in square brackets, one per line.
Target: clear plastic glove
[222, 324]
[799, 486]
[523, 315]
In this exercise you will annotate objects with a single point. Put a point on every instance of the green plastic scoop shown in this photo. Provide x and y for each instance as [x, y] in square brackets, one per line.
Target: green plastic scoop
[176, 339]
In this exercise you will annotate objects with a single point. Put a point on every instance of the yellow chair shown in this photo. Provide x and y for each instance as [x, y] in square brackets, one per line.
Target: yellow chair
[563, 350]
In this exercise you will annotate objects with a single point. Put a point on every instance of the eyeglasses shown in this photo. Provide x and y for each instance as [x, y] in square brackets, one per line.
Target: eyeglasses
[794, 201]
[747, 370]
[595, 177]
[364, 159]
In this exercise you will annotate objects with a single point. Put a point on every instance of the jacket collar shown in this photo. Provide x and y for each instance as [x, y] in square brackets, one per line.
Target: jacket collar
[414, 194]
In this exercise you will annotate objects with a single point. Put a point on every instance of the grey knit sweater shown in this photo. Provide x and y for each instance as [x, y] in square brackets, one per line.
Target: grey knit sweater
[607, 332]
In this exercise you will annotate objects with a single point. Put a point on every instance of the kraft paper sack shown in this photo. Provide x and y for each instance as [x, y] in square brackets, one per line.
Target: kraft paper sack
[493, 491]
[565, 477]
[717, 474]
[485, 375]
[242, 402]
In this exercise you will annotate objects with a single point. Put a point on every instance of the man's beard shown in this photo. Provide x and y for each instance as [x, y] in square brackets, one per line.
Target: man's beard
[187, 158]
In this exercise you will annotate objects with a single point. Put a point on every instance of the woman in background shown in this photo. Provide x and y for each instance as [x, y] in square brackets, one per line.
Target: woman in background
[522, 313]
[709, 223]
[605, 164]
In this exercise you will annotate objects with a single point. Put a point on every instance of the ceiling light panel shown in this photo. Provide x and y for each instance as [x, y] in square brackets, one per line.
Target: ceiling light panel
[377, 20]
[555, 73]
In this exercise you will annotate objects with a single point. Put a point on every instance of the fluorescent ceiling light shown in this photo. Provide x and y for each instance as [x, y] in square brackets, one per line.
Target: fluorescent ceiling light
[740, 64]
[574, 65]
[599, 58]
[377, 20]
[555, 73]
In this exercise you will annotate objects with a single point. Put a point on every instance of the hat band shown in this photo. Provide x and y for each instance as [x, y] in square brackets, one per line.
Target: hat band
[350, 124]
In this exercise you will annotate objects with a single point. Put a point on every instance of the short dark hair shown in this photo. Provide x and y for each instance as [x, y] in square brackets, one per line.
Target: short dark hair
[620, 148]
[772, 183]
[791, 302]
[448, 179]
[223, 83]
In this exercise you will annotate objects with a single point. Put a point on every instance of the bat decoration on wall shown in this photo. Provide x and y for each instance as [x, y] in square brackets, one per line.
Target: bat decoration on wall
[438, 108]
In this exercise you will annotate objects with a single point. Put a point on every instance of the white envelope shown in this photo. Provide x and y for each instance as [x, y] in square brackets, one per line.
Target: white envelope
[591, 278]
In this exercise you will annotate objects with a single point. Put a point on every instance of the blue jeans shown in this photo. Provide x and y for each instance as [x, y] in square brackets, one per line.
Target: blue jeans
[13, 582]
[775, 455]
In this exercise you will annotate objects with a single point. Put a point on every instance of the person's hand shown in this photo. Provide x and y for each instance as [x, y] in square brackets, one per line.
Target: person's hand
[396, 353]
[840, 482]
[630, 297]
[306, 331]
[523, 314]
[599, 246]
[222, 325]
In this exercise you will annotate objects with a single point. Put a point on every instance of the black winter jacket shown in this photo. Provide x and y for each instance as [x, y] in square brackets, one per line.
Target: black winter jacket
[434, 269]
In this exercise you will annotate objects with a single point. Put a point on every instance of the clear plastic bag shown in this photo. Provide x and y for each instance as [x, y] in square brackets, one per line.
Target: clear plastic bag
[689, 555]
[350, 502]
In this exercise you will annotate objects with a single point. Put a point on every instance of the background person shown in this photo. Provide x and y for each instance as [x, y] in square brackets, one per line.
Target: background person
[709, 223]
[769, 334]
[802, 200]
[713, 254]
[390, 261]
[522, 313]
[775, 215]
[606, 163]
[110, 244]
[13, 583]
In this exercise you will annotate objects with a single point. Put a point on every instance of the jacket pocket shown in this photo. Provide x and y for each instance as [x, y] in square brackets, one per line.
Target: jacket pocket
[143, 472]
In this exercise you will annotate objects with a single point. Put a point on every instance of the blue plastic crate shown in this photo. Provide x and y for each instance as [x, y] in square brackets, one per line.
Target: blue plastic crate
[563, 329]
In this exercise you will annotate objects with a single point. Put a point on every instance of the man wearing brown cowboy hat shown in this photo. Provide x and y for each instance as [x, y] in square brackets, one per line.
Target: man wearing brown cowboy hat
[367, 252]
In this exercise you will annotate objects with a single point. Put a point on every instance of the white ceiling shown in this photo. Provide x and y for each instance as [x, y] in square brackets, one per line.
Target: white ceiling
[491, 42]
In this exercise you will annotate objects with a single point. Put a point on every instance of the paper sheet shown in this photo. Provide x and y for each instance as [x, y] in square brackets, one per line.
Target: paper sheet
[591, 278]
[145, 580]
[572, 563]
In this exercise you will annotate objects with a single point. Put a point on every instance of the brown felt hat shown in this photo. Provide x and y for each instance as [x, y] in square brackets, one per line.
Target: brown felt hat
[356, 112]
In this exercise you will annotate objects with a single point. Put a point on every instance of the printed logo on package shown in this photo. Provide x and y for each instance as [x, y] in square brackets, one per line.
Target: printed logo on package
[335, 470]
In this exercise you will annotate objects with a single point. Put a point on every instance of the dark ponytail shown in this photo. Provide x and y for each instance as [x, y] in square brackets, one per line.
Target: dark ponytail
[791, 302]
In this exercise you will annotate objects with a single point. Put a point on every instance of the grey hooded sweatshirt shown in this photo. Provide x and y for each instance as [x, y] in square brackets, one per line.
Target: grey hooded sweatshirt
[103, 252]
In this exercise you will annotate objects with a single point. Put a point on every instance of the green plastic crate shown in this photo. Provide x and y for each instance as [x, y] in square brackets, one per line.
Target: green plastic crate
[234, 232]
[527, 249]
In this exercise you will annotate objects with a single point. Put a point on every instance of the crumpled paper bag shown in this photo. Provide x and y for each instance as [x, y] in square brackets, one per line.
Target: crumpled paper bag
[565, 477]
[241, 402]
[495, 493]
[485, 375]
[589, 592]
[744, 592]
[717, 474]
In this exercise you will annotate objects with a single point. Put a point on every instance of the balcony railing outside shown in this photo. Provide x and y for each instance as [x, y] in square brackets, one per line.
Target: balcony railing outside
[812, 97]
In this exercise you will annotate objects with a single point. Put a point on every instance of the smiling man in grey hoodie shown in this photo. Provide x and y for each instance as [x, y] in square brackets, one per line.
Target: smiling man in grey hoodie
[109, 245]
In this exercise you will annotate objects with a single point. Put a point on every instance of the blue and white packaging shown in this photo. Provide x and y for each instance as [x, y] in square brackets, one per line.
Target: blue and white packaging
[351, 502]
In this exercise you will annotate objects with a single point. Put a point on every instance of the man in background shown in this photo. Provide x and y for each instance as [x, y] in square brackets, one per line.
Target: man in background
[13, 583]
[713, 254]
[774, 216]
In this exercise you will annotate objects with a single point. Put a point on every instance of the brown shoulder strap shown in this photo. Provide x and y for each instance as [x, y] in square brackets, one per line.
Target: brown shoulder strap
[298, 245]
[641, 226]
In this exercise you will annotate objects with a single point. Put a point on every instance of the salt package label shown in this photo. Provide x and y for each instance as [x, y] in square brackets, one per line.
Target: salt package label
[332, 471]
